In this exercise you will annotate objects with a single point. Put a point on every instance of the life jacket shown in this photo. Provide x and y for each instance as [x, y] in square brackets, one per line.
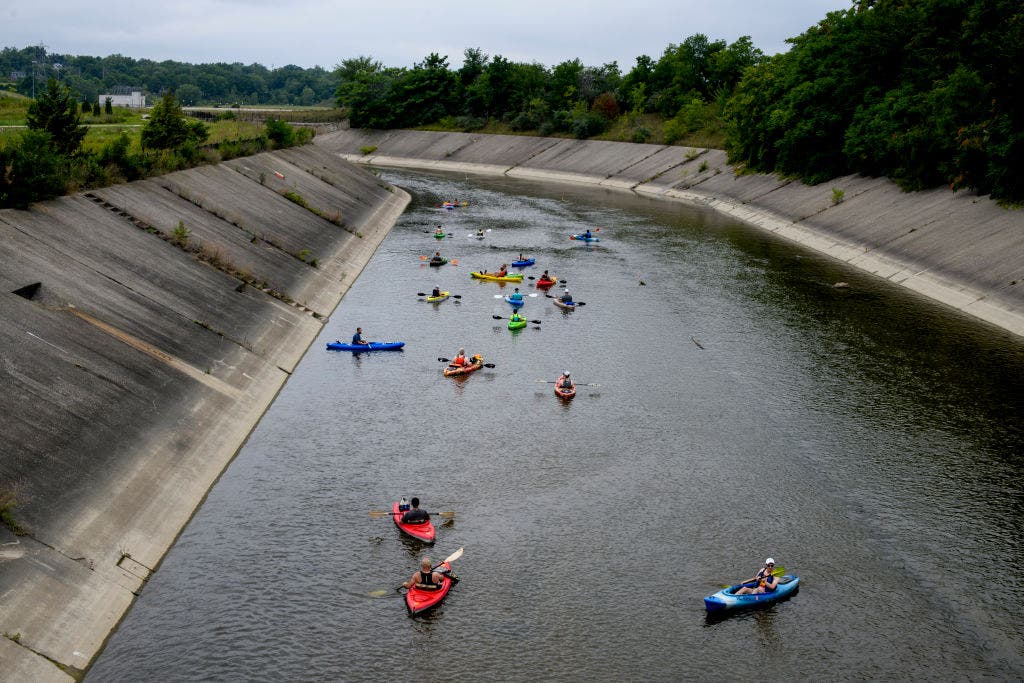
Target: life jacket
[565, 382]
[459, 361]
[426, 581]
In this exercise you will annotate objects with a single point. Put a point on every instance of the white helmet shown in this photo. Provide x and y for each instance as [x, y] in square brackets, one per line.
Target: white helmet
[769, 561]
[566, 373]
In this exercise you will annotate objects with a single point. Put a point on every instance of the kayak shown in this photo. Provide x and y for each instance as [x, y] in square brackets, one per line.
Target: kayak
[517, 324]
[438, 299]
[421, 532]
[372, 346]
[545, 283]
[726, 599]
[567, 306]
[438, 235]
[463, 370]
[517, 303]
[434, 262]
[510, 277]
[419, 600]
[564, 393]
[523, 263]
[584, 238]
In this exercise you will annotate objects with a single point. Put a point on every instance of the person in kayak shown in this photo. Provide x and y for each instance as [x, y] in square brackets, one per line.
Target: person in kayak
[480, 233]
[564, 382]
[460, 359]
[566, 298]
[503, 271]
[425, 578]
[766, 583]
[545, 277]
[414, 515]
[437, 258]
[439, 231]
[516, 296]
[357, 338]
[436, 291]
[515, 317]
[587, 235]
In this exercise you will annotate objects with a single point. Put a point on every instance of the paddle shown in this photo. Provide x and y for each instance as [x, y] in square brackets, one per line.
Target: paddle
[498, 317]
[381, 513]
[473, 234]
[453, 296]
[578, 303]
[530, 277]
[453, 261]
[502, 296]
[555, 381]
[778, 571]
[448, 360]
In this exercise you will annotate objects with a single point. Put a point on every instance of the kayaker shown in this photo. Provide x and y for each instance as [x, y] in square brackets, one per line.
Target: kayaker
[460, 359]
[436, 291]
[425, 578]
[766, 583]
[480, 232]
[587, 234]
[357, 338]
[503, 271]
[436, 258]
[545, 276]
[515, 317]
[439, 231]
[414, 515]
[516, 295]
[566, 298]
[564, 382]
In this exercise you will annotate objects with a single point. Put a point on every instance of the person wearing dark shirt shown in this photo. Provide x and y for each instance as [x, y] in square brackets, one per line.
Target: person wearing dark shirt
[415, 515]
[357, 338]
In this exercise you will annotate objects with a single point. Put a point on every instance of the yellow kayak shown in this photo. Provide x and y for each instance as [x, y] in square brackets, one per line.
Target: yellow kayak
[511, 277]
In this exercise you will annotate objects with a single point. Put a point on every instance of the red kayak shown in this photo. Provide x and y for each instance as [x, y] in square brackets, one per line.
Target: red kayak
[422, 531]
[541, 282]
[419, 600]
[452, 370]
[562, 392]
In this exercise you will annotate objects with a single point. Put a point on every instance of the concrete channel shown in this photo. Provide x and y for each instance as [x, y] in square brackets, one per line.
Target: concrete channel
[146, 328]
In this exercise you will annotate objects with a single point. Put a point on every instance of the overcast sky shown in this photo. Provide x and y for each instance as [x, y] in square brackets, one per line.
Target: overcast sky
[397, 32]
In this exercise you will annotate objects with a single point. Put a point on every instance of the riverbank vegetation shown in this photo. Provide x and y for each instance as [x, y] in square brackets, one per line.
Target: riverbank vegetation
[56, 154]
[921, 91]
[926, 92]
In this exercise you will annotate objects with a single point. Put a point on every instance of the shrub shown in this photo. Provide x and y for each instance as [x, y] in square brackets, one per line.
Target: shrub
[837, 196]
[180, 234]
[279, 132]
[367, 149]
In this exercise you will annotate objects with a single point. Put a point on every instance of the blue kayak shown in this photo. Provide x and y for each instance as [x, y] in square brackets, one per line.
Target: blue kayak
[372, 346]
[726, 599]
[584, 238]
[523, 263]
[518, 303]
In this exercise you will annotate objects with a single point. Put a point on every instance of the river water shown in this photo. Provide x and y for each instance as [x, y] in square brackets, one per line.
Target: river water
[868, 439]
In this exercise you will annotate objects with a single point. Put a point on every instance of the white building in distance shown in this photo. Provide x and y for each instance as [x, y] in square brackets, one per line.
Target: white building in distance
[124, 96]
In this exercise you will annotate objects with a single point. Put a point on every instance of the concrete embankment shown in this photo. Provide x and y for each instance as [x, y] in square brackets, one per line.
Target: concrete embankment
[144, 330]
[955, 247]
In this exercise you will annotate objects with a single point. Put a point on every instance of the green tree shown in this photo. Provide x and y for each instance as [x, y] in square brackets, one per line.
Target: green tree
[168, 128]
[55, 111]
[32, 169]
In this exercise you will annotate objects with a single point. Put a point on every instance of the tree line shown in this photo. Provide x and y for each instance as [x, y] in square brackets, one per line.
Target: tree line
[195, 84]
[687, 85]
[926, 92]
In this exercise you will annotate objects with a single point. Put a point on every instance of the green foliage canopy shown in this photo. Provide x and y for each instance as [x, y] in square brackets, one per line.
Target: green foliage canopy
[55, 111]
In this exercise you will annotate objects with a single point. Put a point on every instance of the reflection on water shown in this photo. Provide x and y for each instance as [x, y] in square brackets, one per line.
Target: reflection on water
[868, 439]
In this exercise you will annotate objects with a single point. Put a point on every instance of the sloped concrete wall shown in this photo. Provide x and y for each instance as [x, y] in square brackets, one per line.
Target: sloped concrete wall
[135, 361]
[955, 247]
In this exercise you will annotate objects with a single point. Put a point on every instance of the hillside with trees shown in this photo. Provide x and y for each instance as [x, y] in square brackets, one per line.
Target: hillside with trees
[195, 84]
[926, 92]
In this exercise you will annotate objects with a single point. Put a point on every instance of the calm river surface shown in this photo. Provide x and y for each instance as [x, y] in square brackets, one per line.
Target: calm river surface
[869, 440]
